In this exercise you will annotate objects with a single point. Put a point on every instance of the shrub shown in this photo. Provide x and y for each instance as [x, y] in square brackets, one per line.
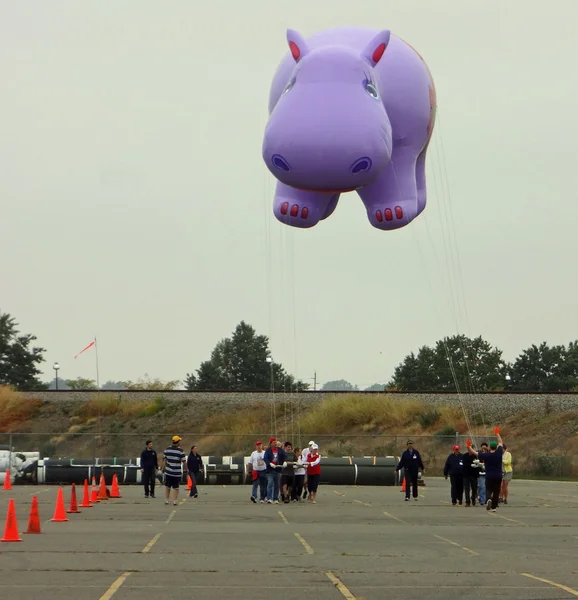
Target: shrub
[428, 418]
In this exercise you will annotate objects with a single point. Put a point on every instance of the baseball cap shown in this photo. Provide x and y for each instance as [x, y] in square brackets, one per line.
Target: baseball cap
[176, 438]
[314, 446]
[493, 445]
[409, 442]
[272, 439]
[258, 443]
[311, 443]
[456, 447]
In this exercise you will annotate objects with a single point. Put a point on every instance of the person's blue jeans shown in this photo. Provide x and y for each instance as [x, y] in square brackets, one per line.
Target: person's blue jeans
[273, 480]
[261, 483]
[482, 488]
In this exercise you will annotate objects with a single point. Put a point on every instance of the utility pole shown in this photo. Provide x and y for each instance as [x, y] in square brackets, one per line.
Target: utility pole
[315, 381]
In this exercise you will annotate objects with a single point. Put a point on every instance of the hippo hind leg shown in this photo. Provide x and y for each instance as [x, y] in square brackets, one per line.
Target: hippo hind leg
[392, 200]
[331, 206]
[420, 181]
[302, 209]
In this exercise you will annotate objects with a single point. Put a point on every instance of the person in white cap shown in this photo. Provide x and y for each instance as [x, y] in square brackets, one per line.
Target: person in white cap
[313, 472]
[304, 458]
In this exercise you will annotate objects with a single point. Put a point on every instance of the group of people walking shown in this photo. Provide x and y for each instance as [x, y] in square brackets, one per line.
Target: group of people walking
[277, 471]
[281, 471]
[175, 464]
[482, 476]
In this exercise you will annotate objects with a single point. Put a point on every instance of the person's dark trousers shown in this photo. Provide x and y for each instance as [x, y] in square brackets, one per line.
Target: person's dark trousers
[457, 483]
[493, 490]
[148, 478]
[297, 487]
[410, 480]
[471, 489]
[194, 490]
[262, 485]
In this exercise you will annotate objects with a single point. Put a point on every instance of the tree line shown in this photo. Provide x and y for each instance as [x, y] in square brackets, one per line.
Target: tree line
[243, 362]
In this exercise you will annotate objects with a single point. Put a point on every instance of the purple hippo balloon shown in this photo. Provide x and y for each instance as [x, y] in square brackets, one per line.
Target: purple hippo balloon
[349, 109]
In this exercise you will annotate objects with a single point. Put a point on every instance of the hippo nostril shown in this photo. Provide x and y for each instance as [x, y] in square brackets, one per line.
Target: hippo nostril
[361, 165]
[280, 162]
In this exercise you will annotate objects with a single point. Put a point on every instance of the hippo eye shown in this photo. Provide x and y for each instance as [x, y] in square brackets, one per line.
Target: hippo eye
[371, 89]
[289, 86]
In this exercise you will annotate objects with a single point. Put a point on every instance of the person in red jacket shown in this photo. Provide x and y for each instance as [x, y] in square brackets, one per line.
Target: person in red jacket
[313, 471]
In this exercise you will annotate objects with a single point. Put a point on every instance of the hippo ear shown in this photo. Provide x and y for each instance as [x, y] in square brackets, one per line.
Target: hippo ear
[297, 45]
[376, 47]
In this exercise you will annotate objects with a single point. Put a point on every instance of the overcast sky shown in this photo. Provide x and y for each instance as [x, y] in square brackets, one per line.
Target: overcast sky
[135, 205]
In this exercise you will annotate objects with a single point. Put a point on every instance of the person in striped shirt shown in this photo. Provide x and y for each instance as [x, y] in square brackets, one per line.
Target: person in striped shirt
[174, 461]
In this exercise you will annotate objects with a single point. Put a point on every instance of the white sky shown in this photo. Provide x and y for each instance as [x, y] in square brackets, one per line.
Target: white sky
[134, 203]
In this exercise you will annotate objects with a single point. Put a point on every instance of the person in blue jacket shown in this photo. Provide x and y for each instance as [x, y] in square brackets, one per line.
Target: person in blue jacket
[411, 462]
[454, 467]
[274, 458]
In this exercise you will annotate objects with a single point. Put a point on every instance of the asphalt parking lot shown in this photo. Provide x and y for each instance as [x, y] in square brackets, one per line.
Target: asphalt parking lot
[355, 543]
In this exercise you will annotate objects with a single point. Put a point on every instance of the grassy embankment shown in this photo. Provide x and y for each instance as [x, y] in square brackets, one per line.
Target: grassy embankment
[343, 425]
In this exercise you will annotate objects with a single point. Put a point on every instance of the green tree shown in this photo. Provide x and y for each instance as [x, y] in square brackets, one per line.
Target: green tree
[19, 360]
[376, 387]
[240, 363]
[339, 385]
[146, 383]
[81, 383]
[455, 363]
[546, 368]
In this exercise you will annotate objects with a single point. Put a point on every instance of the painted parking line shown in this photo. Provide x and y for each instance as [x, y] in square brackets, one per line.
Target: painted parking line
[552, 583]
[455, 544]
[307, 547]
[147, 548]
[394, 518]
[345, 592]
[115, 586]
[284, 518]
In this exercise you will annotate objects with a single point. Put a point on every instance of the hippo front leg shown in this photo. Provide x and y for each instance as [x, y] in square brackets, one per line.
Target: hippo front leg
[298, 208]
[392, 200]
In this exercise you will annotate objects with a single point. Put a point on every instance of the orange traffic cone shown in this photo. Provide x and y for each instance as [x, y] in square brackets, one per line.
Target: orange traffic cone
[73, 505]
[85, 497]
[102, 495]
[94, 496]
[7, 482]
[189, 483]
[11, 527]
[114, 492]
[59, 510]
[34, 518]
[403, 484]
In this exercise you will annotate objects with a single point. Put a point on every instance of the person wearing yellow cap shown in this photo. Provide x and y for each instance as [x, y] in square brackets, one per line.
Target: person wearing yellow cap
[174, 462]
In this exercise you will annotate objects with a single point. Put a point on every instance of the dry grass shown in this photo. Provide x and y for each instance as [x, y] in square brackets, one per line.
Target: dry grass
[376, 414]
[255, 418]
[15, 410]
[111, 404]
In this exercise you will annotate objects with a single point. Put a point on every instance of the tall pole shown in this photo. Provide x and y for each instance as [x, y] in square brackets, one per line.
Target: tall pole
[315, 381]
[96, 354]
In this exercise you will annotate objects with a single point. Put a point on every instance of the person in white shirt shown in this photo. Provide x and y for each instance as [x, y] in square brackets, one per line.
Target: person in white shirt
[305, 456]
[258, 470]
[299, 476]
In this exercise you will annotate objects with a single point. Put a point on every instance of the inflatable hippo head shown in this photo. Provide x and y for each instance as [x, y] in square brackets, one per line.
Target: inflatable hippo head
[329, 130]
